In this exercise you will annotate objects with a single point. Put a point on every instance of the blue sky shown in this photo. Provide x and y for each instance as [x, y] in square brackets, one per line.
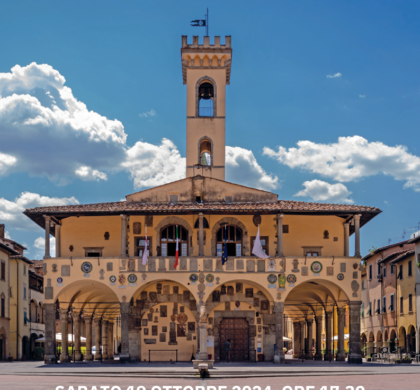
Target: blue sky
[85, 122]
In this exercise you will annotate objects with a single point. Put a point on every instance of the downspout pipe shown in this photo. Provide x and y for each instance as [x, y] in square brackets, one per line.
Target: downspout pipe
[17, 309]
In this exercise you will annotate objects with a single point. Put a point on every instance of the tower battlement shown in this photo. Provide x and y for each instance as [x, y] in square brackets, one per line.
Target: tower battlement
[206, 43]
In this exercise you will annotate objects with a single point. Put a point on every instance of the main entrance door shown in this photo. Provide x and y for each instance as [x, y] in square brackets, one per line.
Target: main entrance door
[235, 329]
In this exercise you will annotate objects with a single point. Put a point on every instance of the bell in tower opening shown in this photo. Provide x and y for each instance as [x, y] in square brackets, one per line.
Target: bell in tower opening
[205, 102]
[205, 152]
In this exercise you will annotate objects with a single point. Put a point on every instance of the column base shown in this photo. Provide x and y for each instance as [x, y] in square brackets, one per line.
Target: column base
[328, 357]
[279, 359]
[341, 357]
[124, 358]
[97, 356]
[78, 357]
[309, 357]
[64, 358]
[88, 357]
[318, 356]
[355, 358]
[210, 363]
[50, 359]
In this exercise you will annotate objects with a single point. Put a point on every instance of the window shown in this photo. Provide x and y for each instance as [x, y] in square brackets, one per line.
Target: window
[370, 272]
[24, 292]
[400, 274]
[3, 271]
[205, 223]
[139, 243]
[25, 318]
[392, 269]
[391, 306]
[168, 241]
[173, 199]
[285, 229]
[410, 303]
[362, 311]
[410, 268]
[205, 99]
[24, 269]
[312, 251]
[384, 268]
[370, 309]
[383, 304]
[378, 306]
[264, 243]
[205, 153]
[401, 305]
[93, 252]
[363, 284]
[379, 269]
[3, 306]
[233, 237]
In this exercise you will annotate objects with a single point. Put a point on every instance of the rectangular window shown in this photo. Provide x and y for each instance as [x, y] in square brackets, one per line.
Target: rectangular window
[378, 306]
[24, 269]
[3, 307]
[24, 292]
[264, 243]
[410, 303]
[384, 271]
[140, 242]
[401, 275]
[3, 271]
[383, 304]
[410, 268]
[379, 269]
[25, 316]
[401, 305]
[285, 229]
[392, 269]
[370, 309]
[362, 311]
[93, 252]
[370, 272]
[391, 306]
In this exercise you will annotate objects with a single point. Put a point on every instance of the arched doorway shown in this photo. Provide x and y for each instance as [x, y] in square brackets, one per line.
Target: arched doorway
[3, 355]
[25, 348]
[235, 331]
[411, 339]
[392, 341]
[402, 339]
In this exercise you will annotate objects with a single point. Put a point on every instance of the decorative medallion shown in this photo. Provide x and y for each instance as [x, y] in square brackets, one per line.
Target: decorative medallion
[272, 279]
[173, 317]
[132, 278]
[209, 278]
[112, 278]
[182, 318]
[60, 280]
[193, 278]
[291, 278]
[316, 267]
[121, 280]
[282, 281]
[340, 276]
[87, 267]
[237, 303]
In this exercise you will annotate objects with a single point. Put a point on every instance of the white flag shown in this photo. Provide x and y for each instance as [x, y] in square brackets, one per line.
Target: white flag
[144, 259]
[257, 249]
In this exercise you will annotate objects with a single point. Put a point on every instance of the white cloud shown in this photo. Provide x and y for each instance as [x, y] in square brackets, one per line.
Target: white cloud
[333, 76]
[362, 96]
[152, 165]
[6, 161]
[351, 159]
[39, 246]
[7, 235]
[11, 211]
[146, 114]
[87, 173]
[243, 168]
[322, 191]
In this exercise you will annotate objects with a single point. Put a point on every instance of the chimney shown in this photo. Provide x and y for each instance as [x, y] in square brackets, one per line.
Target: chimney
[2, 230]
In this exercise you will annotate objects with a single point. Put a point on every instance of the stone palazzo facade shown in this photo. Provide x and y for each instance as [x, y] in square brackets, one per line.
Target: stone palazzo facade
[189, 311]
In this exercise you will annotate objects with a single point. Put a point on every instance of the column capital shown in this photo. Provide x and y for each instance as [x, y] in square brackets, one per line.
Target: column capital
[278, 307]
[76, 315]
[346, 225]
[310, 320]
[357, 216]
[341, 311]
[88, 319]
[200, 215]
[123, 216]
[47, 217]
[280, 216]
[64, 314]
[125, 307]
[302, 322]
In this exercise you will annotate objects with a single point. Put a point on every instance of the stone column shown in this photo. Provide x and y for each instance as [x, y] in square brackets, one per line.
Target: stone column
[346, 239]
[280, 235]
[123, 235]
[88, 329]
[97, 325]
[309, 355]
[203, 355]
[329, 353]
[76, 330]
[50, 341]
[354, 336]
[318, 340]
[105, 339]
[47, 236]
[198, 334]
[110, 340]
[57, 240]
[302, 339]
[296, 339]
[341, 314]
[278, 311]
[64, 357]
[357, 235]
[200, 235]
[125, 309]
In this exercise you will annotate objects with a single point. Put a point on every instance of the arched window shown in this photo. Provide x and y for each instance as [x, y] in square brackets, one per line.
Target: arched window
[232, 236]
[205, 223]
[205, 152]
[205, 99]
[168, 240]
[3, 306]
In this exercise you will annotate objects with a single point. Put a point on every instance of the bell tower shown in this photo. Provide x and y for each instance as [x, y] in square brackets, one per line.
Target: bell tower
[206, 72]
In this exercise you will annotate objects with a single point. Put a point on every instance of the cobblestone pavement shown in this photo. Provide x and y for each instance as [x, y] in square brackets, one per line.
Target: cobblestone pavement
[341, 382]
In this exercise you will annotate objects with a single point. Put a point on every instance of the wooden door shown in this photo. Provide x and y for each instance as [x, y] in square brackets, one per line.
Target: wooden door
[237, 330]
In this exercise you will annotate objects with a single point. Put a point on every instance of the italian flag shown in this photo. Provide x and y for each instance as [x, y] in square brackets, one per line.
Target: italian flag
[177, 249]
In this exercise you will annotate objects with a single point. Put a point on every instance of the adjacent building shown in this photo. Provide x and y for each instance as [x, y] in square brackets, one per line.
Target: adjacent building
[416, 242]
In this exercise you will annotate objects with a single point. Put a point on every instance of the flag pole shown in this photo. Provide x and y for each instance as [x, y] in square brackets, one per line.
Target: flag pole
[207, 24]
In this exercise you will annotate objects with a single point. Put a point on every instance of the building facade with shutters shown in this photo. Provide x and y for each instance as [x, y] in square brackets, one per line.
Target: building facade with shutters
[191, 310]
